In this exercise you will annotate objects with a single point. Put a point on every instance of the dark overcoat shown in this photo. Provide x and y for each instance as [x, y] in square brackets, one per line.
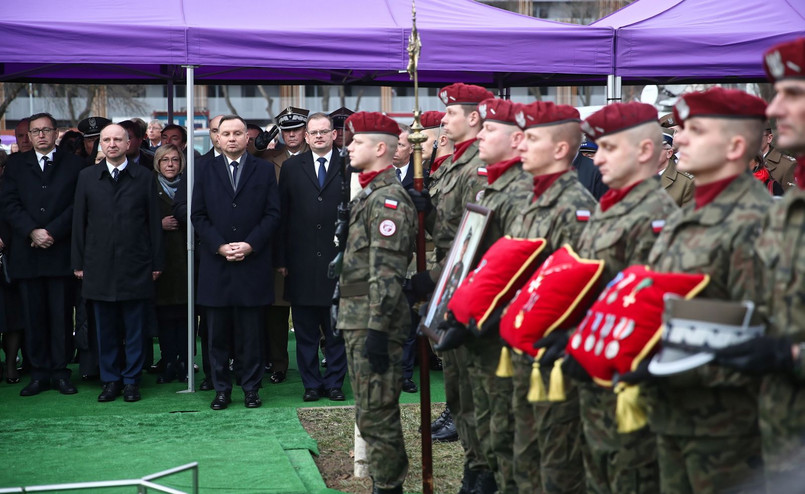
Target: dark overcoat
[117, 233]
[172, 284]
[222, 215]
[34, 199]
[306, 242]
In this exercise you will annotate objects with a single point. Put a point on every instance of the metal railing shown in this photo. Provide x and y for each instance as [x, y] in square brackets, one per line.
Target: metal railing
[143, 484]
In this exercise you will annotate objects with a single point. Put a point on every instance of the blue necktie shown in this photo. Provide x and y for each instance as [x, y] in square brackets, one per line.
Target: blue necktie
[399, 174]
[322, 171]
[115, 174]
[235, 174]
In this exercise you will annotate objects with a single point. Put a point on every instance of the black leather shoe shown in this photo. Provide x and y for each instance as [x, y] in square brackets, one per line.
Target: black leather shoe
[222, 399]
[392, 490]
[65, 387]
[252, 400]
[311, 395]
[440, 421]
[446, 434]
[35, 387]
[110, 391]
[335, 394]
[469, 481]
[409, 386]
[485, 483]
[206, 385]
[131, 393]
[277, 377]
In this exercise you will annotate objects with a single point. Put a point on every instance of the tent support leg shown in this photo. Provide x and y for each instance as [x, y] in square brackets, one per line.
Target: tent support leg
[191, 244]
[614, 89]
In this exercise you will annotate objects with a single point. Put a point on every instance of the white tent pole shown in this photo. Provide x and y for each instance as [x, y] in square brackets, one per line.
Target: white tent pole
[614, 89]
[191, 244]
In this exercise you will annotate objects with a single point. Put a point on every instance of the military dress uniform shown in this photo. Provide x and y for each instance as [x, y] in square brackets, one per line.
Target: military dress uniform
[781, 167]
[382, 231]
[678, 184]
[547, 436]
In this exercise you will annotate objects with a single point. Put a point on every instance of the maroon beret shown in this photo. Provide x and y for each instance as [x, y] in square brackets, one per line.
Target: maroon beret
[498, 110]
[463, 94]
[617, 117]
[431, 119]
[786, 60]
[541, 113]
[720, 103]
[365, 122]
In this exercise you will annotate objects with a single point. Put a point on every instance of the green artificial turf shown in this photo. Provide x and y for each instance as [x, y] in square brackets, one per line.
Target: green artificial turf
[52, 438]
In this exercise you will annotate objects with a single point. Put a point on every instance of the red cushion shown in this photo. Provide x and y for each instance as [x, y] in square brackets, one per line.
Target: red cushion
[624, 325]
[553, 298]
[503, 269]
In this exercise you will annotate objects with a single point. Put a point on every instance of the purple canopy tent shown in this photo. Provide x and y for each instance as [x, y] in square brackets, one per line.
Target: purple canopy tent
[701, 40]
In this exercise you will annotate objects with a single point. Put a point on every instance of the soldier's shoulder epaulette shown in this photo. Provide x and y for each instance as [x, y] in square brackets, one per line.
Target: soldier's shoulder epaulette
[788, 157]
[685, 174]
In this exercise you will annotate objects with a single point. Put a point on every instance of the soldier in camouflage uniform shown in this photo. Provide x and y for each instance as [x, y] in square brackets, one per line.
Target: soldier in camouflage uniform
[547, 436]
[459, 182]
[373, 312]
[621, 232]
[779, 354]
[508, 190]
[706, 418]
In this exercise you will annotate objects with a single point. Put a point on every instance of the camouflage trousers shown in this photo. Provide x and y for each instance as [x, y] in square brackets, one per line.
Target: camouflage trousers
[710, 465]
[782, 429]
[377, 409]
[493, 414]
[458, 393]
[547, 437]
[615, 463]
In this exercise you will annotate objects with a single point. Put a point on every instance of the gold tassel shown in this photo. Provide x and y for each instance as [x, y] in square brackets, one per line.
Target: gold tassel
[505, 368]
[536, 392]
[556, 389]
[629, 413]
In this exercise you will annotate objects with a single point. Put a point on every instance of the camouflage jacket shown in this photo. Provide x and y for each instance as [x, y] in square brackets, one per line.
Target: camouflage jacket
[459, 184]
[506, 196]
[559, 215]
[718, 240]
[624, 234]
[382, 232]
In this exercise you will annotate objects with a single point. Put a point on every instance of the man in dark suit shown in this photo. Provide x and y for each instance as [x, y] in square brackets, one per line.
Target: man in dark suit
[310, 190]
[402, 160]
[589, 176]
[236, 214]
[117, 251]
[37, 193]
[136, 155]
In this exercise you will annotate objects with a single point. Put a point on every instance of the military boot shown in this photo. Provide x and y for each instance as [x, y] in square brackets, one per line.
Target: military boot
[468, 481]
[439, 422]
[486, 483]
[391, 490]
[447, 433]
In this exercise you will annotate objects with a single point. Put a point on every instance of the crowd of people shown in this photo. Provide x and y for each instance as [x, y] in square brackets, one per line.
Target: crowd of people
[92, 235]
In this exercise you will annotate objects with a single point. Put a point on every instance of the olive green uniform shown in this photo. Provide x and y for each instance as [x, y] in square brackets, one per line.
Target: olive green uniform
[706, 418]
[781, 168]
[621, 236]
[678, 185]
[382, 230]
[547, 434]
[506, 196]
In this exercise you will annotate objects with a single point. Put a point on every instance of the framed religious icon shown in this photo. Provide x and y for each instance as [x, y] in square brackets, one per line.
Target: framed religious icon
[460, 260]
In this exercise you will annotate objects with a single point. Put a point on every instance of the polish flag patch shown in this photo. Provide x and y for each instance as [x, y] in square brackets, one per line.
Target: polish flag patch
[657, 225]
[391, 204]
[482, 172]
[582, 215]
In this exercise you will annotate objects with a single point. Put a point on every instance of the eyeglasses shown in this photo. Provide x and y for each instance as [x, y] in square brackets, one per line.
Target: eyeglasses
[46, 131]
[172, 160]
[317, 133]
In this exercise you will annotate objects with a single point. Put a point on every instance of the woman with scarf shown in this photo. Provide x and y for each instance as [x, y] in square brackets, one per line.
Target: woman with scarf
[171, 287]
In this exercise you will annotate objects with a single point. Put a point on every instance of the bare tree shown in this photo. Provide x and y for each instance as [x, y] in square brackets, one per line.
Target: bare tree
[225, 91]
[11, 91]
[269, 101]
